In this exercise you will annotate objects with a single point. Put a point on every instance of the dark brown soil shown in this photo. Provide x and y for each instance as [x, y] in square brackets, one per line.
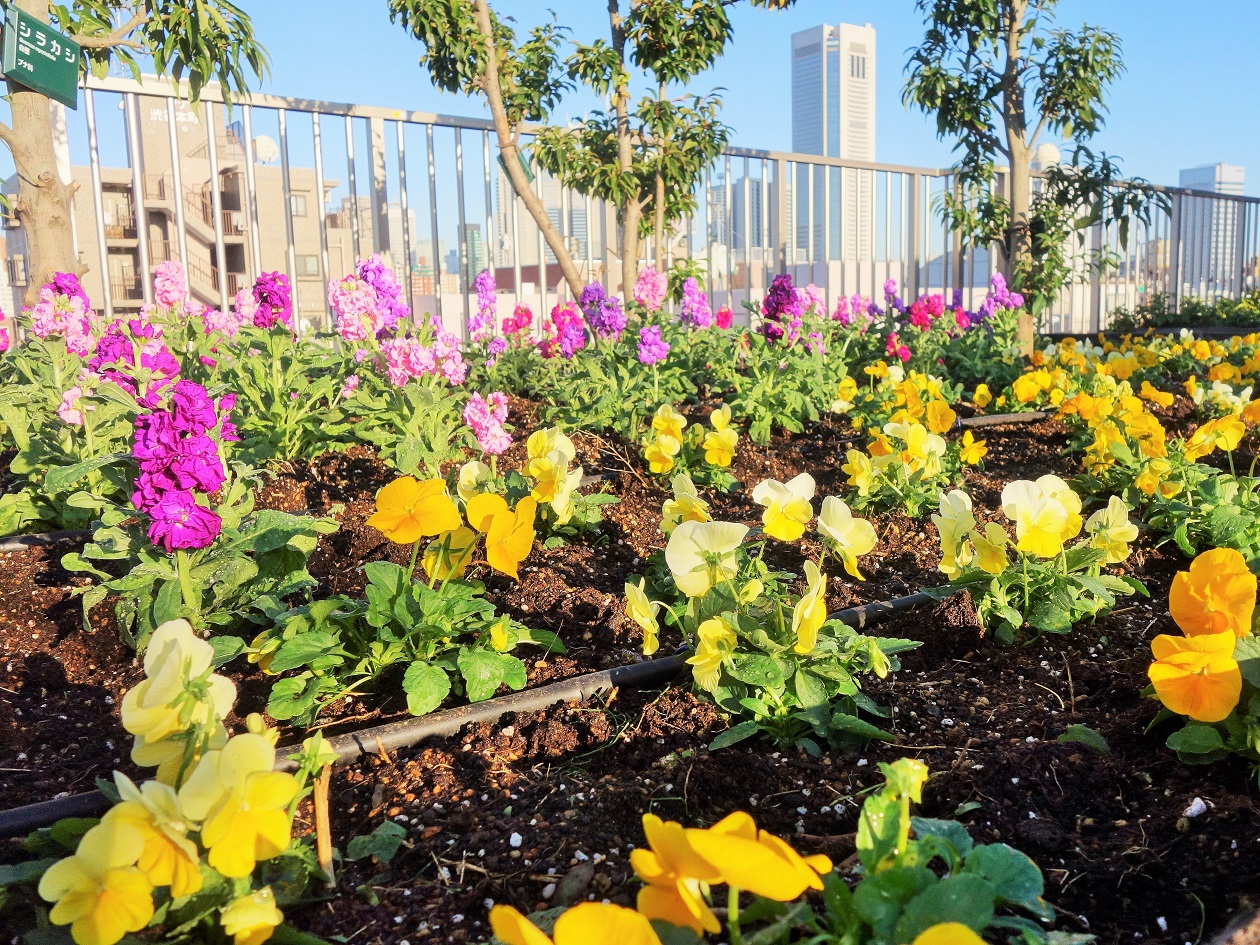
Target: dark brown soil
[544, 808]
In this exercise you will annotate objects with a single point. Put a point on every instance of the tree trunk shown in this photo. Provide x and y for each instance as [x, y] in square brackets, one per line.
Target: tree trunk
[1019, 237]
[658, 225]
[43, 204]
[511, 159]
[632, 209]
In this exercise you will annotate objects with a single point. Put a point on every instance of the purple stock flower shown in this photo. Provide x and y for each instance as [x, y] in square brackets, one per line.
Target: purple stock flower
[695, 305]
[274, 296]
[608, 320]
[572, 339]
[652, 348]
[481, 324]
[389, 293]
[197, 465]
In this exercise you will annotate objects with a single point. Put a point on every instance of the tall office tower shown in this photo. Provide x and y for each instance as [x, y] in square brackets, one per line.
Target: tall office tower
[1209, 229]
[833, 114]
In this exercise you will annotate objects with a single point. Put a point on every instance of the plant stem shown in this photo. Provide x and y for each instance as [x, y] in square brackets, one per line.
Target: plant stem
[186, 584]
[732, 916]
[415, 553]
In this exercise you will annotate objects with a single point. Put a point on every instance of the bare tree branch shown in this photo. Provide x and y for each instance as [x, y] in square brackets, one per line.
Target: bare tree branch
[7, 136]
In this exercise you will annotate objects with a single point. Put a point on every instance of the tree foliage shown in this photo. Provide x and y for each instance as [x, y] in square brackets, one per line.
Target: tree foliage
[999, 76]
[203, 40]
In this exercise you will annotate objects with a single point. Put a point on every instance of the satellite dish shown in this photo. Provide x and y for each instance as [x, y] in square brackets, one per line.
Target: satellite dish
[265, 149]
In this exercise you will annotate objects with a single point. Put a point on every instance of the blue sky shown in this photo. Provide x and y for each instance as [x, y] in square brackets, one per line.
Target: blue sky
[1188, 96]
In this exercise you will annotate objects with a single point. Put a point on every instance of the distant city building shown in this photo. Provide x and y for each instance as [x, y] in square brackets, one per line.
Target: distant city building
[1210, 230]
[833, 114]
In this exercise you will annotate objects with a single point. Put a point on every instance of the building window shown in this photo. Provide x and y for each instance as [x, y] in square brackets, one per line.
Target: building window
[17, 270]
[308, 265]
[857, 67]
[297, 204]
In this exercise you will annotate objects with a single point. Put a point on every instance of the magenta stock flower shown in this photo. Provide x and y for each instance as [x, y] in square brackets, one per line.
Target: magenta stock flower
[193, 410]
[485, 417]
[177, 522]
[724, 317]
[68, 284]
[566, 331]
[520, 320]
[4, 339]
[274, 298]
[650, 288]
[170, 284]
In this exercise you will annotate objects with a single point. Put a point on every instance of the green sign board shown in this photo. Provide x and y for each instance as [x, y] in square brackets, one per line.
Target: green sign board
[39, 57]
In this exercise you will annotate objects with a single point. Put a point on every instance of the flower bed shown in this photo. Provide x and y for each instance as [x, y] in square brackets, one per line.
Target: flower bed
[1041, 745]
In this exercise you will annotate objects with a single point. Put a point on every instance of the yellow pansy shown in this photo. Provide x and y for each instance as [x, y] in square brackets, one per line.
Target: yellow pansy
[948, 933]
[715, 641]
[669, 422]
[846, 393]
[584, 924]
[757, 861]
[719, 447]
[861, 471]
[660, 453]
[1040, 520]
[1055, 488]
[810, 612]
[1156, 396]
[543, 442]
[702, 554]
[973, 450]
[787, 506]
[685, 506]
[953, 524]
[676, 878]
[990, 548]
[1111, 530]
[169, 858]
[642, 610]
[983, 396]
[242, 804]
[509, 532]
[471, 477]
[408, 510]
[98, 891]
[252, 918]
[850, 537]
[1197, 676]
[449, 555]
[940, 417]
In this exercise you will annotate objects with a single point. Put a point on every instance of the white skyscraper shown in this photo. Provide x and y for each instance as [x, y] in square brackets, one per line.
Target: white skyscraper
[1210, 229]
[833, 114]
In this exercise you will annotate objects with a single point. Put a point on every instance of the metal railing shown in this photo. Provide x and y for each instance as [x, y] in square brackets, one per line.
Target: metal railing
[427, 193]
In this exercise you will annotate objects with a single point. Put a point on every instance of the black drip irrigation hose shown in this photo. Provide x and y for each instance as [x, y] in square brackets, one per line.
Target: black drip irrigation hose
[41, 539]
[383, 739]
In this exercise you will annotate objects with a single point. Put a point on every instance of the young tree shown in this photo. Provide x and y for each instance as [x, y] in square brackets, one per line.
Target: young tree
[997, 77]
[645, 158]
[202, 39]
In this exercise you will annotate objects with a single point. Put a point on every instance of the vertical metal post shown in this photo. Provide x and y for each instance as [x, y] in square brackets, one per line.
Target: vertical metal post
[291, 254]
[1095, 289]
[516, 246]
[747, 231]
[463, 229]
[400, 133]
[251, 191]
[320, 198]
[355, 250]
[216, 205]
[136, 159]
[730, 235]
[177, 182]
[1240, 238]
[826, 221]
[94, 157]
[811, 242]
[542, 255]
[764, 229]
[590, 243]
[433, 224]
[380, 187]
[912, 237]
[780, 213]
[490, 240]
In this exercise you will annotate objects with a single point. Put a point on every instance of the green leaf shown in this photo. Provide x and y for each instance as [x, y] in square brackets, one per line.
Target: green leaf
[1085, 736]
[736, 733]
[1195, 739]
[226, 649]
[482, 672]
[381, 844]
[963, 898]
[950, 831]
[28, 872]
[1247, 652]
[426, 686]
[760, 670]
[304, 649]
[63, 477]
[859, 727]
[1014, 877]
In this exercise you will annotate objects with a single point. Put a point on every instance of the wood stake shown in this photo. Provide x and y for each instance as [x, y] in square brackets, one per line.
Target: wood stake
[323, 830]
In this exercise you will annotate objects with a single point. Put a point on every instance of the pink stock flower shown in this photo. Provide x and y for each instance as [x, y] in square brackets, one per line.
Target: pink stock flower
[65, 315]
[357, 308]
[650, 288]
[485, 417]
[69, 411]
[813, 299]
[170, 284]
[350, 386]
[4, 339]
